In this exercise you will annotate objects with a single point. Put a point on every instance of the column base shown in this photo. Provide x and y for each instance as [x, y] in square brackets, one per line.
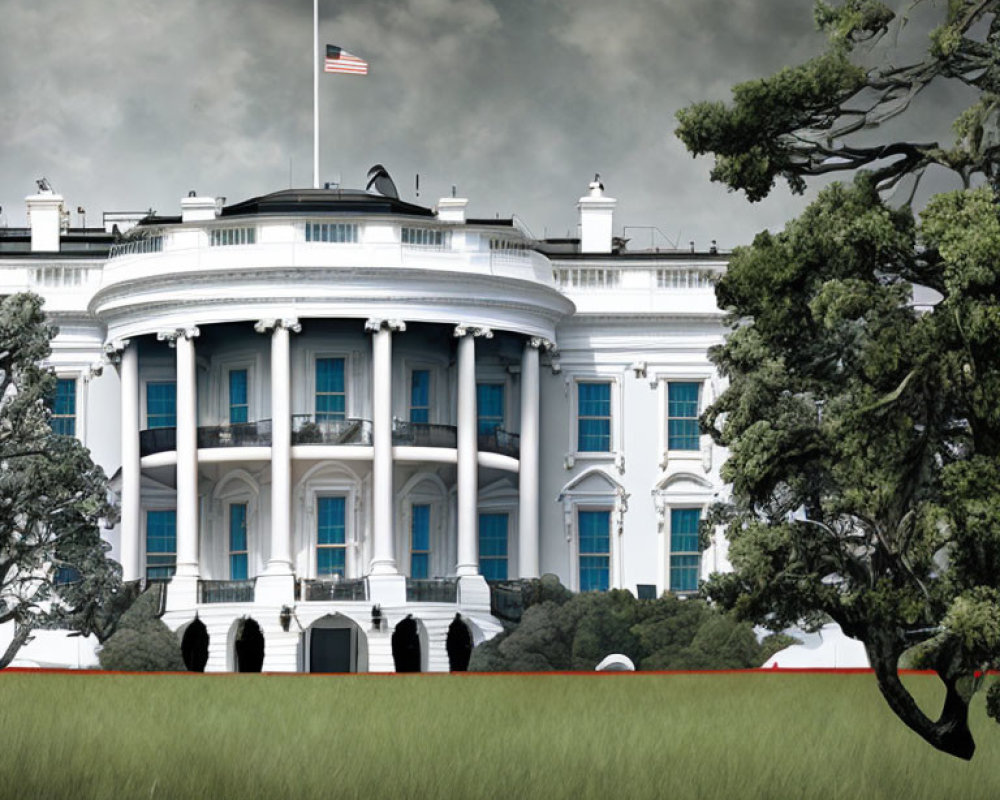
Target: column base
[182, 593]
[474, 593]
[276, 568]
[466, 570]
[384, 568]
[274, 590]
[387, 590]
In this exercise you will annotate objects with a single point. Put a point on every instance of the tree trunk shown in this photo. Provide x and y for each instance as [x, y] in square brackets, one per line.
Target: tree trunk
[21, 635]
[950, 733]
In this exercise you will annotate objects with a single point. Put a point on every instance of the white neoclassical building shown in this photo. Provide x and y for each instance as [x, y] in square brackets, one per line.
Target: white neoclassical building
[328, 412]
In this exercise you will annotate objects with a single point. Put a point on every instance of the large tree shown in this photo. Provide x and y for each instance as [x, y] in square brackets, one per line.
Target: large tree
[54, 569]
[863, 416]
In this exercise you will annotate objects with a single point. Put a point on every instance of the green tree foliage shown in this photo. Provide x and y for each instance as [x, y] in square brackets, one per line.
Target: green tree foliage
[864, 429]
[575, 632]
[53, 499]
[142, 641]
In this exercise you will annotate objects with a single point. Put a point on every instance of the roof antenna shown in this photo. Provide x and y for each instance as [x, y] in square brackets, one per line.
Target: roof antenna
[454, 191]
[417, 182]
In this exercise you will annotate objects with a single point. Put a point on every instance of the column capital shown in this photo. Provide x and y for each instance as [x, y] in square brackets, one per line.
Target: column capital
[540, 343]
[465, 328]
[94, 370]
[274, 323]
[171, 336]
[113, 350]
[376, 324]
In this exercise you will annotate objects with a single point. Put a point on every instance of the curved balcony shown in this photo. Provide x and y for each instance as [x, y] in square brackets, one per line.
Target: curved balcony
[502, 442]
[241, 434]
[423, 434]
[315, 429]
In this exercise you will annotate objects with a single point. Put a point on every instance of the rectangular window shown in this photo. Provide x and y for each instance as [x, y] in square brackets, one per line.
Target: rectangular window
[224, 237]
[420, 395]
[63, 419]
[161, 404]
[336, 232]
[161, 543]
[431, 238]
[331, 537]
[493, 546]
[420, 541]
[238, 551]
[595, 550]
[489, 407]
[682, 416]
[239, 406]
[593, 417]
[685, 556]
[331, 397]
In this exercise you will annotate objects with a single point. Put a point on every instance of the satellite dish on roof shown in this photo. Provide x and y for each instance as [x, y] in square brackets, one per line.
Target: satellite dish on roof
[378, 177]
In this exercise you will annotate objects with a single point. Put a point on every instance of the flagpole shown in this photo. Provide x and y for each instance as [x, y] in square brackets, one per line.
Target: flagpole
[315, 94]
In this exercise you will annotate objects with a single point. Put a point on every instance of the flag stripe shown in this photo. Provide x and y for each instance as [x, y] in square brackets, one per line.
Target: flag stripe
[339, 60]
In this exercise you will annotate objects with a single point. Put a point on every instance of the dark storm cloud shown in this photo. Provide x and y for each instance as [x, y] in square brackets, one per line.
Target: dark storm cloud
[128, 104]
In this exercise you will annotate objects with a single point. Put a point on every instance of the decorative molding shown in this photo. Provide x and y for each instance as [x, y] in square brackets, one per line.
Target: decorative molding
[274, 323]
[171, 336]
[94, 370]
[639, 368]
[376, 324]
[113, 350]
[541, 343]
[477, 331]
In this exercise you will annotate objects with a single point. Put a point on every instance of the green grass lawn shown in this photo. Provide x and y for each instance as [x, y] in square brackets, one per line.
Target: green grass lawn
[469, 736]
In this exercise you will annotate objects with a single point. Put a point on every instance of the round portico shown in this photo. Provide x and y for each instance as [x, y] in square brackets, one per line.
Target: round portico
[332, 346]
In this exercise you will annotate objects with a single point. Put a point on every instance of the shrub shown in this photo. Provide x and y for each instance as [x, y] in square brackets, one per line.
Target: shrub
[143, 642]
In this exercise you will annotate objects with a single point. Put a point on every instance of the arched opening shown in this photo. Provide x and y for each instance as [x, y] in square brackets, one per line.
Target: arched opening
[458, 643]
[335, 643]
[249, 646]
[194, 646]
[406, 645]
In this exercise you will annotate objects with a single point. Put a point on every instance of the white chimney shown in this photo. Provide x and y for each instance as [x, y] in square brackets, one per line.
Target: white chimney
[45, 216]
[596, 218]
[452, 209]
[198, 209]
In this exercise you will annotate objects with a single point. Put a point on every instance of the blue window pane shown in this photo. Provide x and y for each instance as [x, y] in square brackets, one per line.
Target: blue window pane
[595, 549]
[684, 523]
[420, 394]
[161, 404]
[682, 416]
[593, 433]
[421, 527]
[63, 419]
[330, 561]
[594, 399]
[161, 543]
[238, 405]
[64, 426]
[238, 541]
[418, 565]
[493, 546]
[489, 407]
[238, 567]
[330, 520]
[684, 573]
[329, 375]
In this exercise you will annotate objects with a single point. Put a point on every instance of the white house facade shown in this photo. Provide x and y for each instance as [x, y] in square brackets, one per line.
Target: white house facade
[334, 419]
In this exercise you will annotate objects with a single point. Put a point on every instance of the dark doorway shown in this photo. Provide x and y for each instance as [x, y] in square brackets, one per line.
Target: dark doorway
[406, 646]
[249, 646]
[458, 643]
[194, 646]
[330, 650]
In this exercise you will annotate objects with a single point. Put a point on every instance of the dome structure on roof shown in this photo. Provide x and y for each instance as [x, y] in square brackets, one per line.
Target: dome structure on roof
[324, 201]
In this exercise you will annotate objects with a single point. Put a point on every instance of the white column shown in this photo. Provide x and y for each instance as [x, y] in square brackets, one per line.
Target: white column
[280, 560]
[528, 469]
[187, 451]
[468, 451]
[130, 525]
[383, 544]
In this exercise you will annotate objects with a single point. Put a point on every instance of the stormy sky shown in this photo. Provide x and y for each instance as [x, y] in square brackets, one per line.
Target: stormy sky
[129, 104]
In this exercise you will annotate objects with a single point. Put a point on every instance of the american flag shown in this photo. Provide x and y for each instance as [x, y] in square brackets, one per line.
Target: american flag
[339, 60]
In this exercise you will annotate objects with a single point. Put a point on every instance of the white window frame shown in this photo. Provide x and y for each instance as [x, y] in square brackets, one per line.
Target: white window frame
[425, 488]
[705, 397]
[615, 455]
[350, 409]
[154, 374]
[437, 409]
[502, 498]
[80, 386]
[235, 362]
[236, 486]
[327, 479]
[574, 500]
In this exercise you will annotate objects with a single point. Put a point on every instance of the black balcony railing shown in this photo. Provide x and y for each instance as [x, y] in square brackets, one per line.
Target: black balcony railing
[311, 590]
[502, 442]
[433, 590]
[237, 434]
[506, 600]
[423, 434]
[226, 591]
[315, 429]
[157, 440]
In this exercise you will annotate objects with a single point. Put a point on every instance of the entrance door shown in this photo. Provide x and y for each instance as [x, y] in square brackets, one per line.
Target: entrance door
[330, 650]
